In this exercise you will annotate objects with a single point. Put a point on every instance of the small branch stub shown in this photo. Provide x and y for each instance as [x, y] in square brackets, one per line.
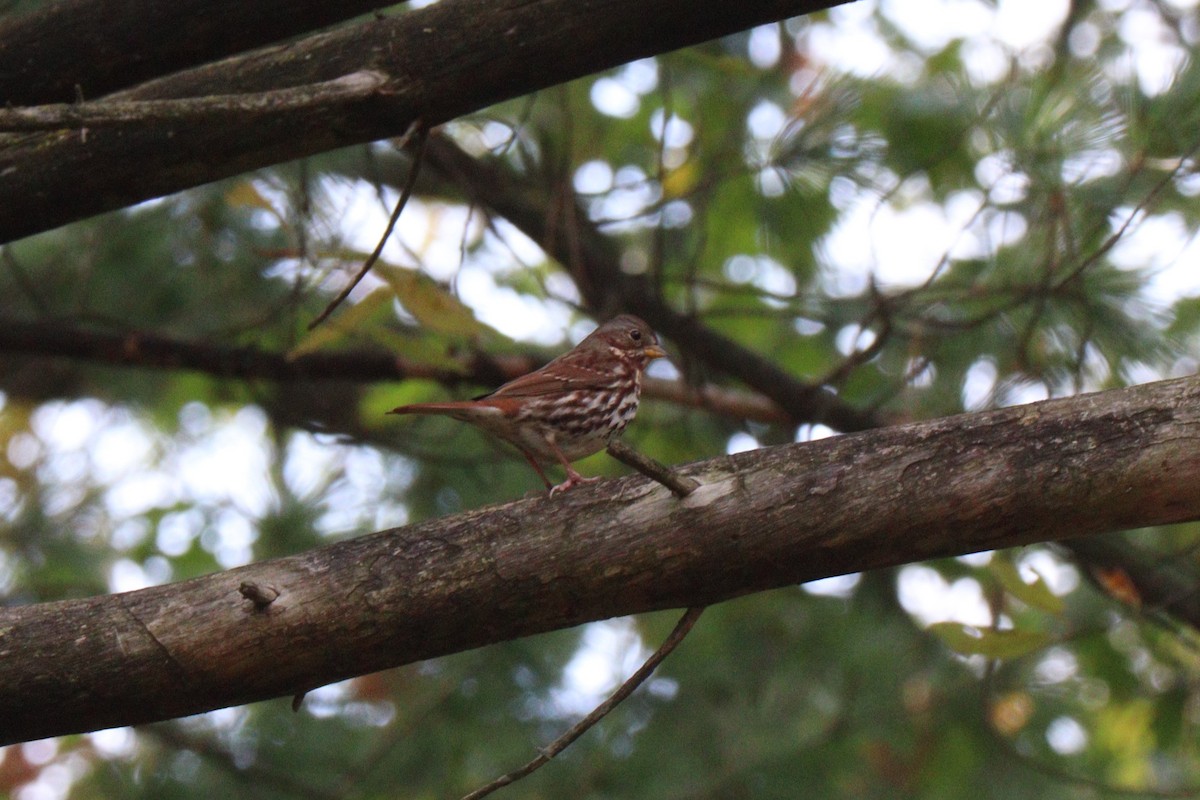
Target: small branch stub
[261, 596]
[679, 485]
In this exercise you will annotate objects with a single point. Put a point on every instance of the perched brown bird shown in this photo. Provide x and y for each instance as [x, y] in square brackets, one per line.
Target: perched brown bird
[570, 408]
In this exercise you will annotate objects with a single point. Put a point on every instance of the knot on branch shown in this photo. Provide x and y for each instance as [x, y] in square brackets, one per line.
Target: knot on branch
[261, 596]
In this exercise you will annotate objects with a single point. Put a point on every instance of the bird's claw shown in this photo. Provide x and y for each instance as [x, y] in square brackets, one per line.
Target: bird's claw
[572, 480]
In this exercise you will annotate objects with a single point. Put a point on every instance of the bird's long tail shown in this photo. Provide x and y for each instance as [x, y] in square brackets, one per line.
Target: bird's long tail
[448, 407]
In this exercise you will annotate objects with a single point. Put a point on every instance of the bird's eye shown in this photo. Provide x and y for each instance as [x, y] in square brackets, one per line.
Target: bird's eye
[636, 335]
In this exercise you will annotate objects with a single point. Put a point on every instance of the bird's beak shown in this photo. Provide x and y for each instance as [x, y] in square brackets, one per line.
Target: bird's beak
[653, 351]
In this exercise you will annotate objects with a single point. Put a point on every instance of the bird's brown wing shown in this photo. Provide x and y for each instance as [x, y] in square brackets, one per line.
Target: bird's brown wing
[561, 375]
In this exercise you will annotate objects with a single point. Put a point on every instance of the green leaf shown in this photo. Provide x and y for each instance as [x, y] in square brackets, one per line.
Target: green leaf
[1036, 594]
[969, 640]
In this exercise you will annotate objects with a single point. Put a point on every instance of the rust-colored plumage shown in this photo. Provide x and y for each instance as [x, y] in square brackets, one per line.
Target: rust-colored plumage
[570, 408]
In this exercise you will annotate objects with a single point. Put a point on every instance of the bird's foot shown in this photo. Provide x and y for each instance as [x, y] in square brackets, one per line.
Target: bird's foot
[573, 479]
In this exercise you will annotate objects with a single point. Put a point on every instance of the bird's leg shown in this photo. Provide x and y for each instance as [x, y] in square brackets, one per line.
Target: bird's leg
[537, 468]
[573, 477]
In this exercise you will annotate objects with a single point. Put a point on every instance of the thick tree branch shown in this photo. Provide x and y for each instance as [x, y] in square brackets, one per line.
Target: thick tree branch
[768, 518]
[445, 60]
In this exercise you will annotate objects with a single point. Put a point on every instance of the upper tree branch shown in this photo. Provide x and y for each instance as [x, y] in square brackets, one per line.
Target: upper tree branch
[446, 60]
[772, 517]
[63, 50]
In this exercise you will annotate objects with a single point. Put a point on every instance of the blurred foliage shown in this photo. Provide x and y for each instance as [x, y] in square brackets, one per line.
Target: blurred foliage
[970, 225]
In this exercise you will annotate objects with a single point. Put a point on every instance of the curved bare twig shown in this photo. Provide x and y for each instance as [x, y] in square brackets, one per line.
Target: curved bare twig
[416, 129]
[599, 712]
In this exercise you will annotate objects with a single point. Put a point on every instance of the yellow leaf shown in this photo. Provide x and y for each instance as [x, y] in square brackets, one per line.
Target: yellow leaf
[1010, 712]
[678, 182]
[434, 307]
[246, 195]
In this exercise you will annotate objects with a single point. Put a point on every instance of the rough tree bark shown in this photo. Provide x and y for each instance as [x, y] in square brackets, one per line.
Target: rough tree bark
[443, 61]
[1102, 462]
[70, 49]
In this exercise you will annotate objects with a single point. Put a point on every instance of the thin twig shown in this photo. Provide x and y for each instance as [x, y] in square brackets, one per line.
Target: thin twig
[130, 113]
[599, 712]
[880, 310]
[418, 130]
[678, 484]
[1142, 205]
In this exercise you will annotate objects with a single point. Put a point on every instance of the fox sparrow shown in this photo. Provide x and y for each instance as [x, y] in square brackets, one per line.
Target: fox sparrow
[570, 408]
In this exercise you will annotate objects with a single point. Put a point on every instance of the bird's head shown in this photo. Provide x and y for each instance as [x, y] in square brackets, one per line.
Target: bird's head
[628, 337]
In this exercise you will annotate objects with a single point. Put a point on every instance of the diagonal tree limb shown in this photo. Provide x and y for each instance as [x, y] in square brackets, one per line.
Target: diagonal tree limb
[762, 519]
